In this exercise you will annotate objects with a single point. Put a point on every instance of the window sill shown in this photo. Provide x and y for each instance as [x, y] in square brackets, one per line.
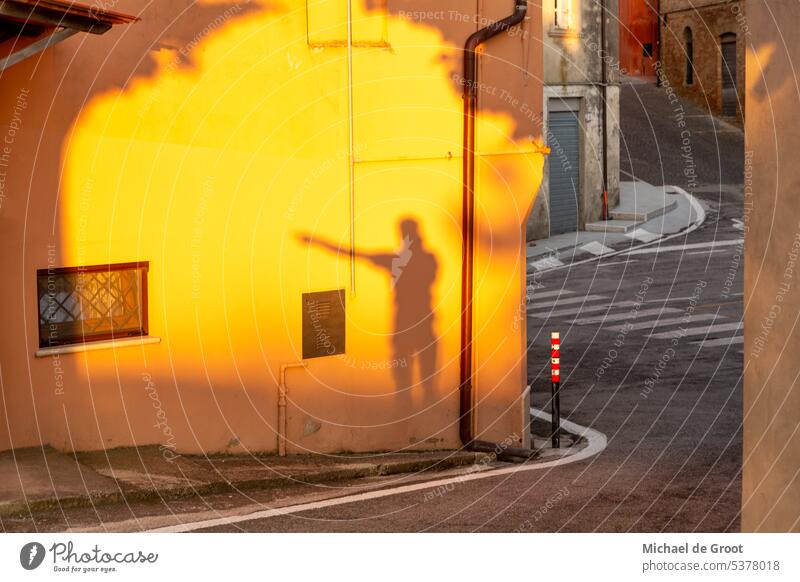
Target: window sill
[92, 346]
[564, 32]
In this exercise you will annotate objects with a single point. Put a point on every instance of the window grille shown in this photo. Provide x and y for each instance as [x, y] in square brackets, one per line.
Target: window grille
[95, 303]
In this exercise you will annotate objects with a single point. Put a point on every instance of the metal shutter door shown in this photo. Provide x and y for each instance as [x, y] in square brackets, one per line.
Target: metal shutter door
[563, 171]
[729, 96]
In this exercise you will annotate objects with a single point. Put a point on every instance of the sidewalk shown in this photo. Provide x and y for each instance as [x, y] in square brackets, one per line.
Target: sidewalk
[645, 214]
[41, 478]
[36, 479]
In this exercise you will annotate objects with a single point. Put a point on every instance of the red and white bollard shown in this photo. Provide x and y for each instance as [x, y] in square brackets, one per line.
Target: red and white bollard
[555, 377]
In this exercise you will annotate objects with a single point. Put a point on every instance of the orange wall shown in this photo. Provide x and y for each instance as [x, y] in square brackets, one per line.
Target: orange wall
[207, 139]
[771, 217]
[638, 25]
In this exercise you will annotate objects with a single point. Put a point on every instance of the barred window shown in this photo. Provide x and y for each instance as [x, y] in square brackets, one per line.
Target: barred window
[95, 303]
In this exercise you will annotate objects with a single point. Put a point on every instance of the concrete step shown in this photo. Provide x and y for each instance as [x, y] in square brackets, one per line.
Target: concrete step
[615, 226]
[643, 214]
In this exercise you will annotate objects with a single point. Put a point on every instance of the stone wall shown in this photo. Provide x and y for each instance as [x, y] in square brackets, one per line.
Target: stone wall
[708, 23]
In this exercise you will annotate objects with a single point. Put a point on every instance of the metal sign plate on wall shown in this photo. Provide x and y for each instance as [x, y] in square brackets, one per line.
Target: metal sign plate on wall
[323, 323]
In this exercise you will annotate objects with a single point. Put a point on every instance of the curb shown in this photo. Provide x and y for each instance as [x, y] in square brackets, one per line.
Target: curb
[596, 443]
[21, 508]
[696, 206]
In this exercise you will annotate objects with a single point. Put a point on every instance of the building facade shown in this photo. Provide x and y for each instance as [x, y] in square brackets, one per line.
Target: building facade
[703, 53]
[770, 489]
[638, 37]
[580, 116]
[236, 227]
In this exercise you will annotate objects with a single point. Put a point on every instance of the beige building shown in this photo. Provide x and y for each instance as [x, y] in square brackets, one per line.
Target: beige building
[580, 116]
[770, 482]
[237, 227]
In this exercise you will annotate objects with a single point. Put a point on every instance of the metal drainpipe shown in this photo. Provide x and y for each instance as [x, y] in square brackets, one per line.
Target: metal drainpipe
[467, 234]
[604, 84]
[658, 37]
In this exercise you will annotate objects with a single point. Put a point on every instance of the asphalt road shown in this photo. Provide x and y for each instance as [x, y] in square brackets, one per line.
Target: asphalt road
[664, 141]
[651, 357]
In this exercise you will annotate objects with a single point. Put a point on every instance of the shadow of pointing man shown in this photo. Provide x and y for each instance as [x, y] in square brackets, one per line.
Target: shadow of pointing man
[413, 271]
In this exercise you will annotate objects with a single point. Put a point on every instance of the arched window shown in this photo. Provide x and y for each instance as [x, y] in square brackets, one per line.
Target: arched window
[689, 49]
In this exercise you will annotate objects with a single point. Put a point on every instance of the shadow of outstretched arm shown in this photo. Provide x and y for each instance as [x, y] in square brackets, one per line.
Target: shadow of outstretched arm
[382, 260]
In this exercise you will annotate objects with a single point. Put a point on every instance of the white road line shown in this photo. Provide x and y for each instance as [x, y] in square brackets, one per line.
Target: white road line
[687, 298]
[565, 301]
[737, 224]
[666, 321]
[546, 263]
[624, 316]
[596, 443]
[723, 341]
[642, 235]
[596, 248]
[708, 329]
[579, 310]
[669, 248]
[555, 293]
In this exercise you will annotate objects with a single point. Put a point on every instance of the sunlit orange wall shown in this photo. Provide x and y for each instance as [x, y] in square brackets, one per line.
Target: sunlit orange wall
[638, 25]
[208, 147]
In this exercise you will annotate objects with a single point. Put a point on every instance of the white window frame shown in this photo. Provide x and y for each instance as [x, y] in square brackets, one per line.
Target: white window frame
[563, 18]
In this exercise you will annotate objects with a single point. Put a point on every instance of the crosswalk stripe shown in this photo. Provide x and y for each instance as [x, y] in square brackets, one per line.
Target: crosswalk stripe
[684, 298]
[642, 235]
[546, 263]
[628, 262]
[578, 310]
[565, 301]
[705, 330]
[554, 293]
[723, 341]
[665, 321]
[596, 248]
[624, 316]
[707, 252]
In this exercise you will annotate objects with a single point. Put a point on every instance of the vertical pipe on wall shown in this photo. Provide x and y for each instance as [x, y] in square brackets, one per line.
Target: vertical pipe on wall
[351, 148]
[661, 22]
[470, 96]
[604, 85]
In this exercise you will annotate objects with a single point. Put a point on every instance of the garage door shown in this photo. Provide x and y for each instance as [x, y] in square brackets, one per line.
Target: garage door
[729, 96]
[564, 164]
